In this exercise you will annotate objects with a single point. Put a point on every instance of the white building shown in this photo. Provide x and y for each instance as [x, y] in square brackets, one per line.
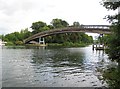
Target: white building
[2, 42]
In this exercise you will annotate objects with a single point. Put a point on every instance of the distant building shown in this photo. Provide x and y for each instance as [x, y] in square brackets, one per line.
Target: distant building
[2, 42]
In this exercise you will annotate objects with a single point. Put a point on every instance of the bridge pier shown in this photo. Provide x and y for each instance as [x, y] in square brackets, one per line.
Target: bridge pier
[41, 40]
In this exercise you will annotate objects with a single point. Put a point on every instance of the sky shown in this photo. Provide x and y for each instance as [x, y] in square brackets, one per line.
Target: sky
[20, 14]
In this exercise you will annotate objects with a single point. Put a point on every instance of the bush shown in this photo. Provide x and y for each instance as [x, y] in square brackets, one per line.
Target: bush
[70, 44]
[9, 44]
[19, 43]
[67, 44]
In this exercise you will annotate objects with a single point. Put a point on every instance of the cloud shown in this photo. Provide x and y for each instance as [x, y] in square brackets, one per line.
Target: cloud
[19, 14]
[3, 30]
[12, 6]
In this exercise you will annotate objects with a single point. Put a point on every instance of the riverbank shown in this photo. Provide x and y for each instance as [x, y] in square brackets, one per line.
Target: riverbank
[66, 44]
[69, 44]
[37, 45]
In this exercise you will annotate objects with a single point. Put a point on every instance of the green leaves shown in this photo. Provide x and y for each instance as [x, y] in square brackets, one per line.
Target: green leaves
[114, 40]
[18, 37]
[111, 5]
[59, 23]
[76, 24]
[39, 27]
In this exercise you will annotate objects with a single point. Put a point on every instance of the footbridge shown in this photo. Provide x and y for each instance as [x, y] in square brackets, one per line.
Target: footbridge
[100, 29]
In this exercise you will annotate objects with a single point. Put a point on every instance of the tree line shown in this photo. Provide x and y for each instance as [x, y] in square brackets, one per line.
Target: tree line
[16, 38]
[112, 74]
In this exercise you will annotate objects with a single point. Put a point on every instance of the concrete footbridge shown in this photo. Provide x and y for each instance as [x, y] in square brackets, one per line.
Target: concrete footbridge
[100, 29]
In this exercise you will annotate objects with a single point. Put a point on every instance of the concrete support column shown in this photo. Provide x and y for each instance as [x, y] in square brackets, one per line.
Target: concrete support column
[41, 40]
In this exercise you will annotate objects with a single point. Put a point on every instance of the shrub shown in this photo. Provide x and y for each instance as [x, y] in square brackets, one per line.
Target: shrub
[19, 43]
[9, 44]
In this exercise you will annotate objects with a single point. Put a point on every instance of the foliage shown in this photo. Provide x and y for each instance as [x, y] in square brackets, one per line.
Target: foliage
[111, 5]
[18, 37]
[0, 36]
[67, 37]
[70, 44]
[106, 39]
[9, 44]
[76, 24]
[59, 23]
[114, 40]
[25, 33]
[39, 27]
[112, 77]
[19, 43]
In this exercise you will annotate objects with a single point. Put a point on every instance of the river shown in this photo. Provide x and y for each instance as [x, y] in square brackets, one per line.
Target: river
[53, 67]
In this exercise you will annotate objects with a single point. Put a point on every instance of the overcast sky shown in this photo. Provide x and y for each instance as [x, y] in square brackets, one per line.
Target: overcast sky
[20, 14]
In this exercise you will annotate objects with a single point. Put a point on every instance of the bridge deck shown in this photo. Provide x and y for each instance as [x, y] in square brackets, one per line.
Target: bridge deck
[102, 29]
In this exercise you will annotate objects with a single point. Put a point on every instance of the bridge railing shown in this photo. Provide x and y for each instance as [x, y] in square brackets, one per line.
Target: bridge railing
[96, 26]
[71, 28]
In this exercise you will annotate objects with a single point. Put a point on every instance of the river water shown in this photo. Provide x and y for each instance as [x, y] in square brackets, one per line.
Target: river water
[53, 67]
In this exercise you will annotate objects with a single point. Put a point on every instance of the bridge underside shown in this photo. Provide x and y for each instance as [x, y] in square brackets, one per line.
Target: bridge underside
[67, 30]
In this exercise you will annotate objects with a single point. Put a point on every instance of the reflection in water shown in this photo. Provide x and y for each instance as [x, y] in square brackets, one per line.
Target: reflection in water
[53, 67]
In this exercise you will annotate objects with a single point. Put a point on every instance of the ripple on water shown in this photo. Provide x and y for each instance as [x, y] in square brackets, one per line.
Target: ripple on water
[67, 67]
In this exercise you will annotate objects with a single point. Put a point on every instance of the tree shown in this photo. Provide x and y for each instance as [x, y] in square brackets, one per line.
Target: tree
[111, 75]
[16, 37]
[2, 37]
[39, 27]
[114, 41]
[25, 33]
[59, 23]
[76, 24]
[67, 37]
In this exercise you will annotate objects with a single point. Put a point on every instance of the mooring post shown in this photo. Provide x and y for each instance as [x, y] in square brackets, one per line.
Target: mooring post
[93, 47]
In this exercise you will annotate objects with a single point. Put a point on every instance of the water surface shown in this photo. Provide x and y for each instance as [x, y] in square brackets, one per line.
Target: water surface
[52, 67]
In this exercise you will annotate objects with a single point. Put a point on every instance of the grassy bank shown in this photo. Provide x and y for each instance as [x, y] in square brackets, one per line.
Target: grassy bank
[69, 44]
[66, 44]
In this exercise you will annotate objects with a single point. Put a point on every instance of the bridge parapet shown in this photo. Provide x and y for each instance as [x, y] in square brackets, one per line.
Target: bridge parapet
[96, 26]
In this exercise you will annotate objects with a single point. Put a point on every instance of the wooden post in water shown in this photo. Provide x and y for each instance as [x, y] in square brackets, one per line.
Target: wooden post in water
[93, 47]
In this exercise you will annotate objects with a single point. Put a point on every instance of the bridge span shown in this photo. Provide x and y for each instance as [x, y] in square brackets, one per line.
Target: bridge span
[100, 29]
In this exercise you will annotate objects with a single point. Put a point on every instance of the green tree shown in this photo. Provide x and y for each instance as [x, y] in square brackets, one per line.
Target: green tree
[16, 37]
[25, 33]
[59, 23]
[114, 41]
[2, 37]
[39, 27]
[11, 37]
[76, 24]
[67, 37]
[112, 74]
